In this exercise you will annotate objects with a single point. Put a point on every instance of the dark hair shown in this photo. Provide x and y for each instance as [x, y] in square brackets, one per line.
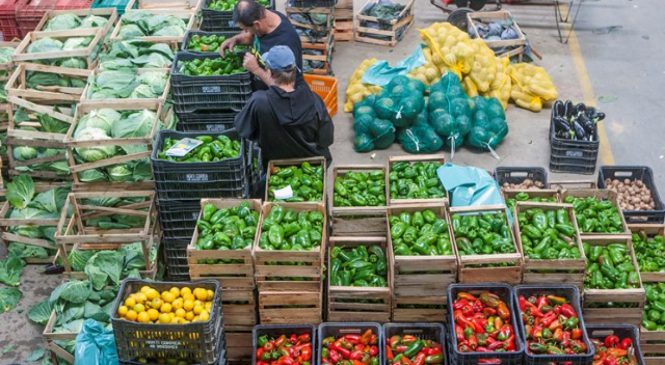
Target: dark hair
[284, 77]
[247, 12]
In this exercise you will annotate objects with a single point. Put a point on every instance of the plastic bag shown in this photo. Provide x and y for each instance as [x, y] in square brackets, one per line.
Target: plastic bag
[381, 73]
[450, 111]
[401, 101]
[489, 124]
[95, 345]
[469, 186]
[420, 139]
[428, 73]
[531, 86]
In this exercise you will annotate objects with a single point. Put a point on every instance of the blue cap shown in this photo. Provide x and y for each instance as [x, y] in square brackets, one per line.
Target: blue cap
[279, 58]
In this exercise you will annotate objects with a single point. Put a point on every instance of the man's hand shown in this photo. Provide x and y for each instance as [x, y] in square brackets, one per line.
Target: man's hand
[227, 45]
[251, 64]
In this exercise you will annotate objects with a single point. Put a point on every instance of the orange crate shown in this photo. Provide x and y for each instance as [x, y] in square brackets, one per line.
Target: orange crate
[326, 88]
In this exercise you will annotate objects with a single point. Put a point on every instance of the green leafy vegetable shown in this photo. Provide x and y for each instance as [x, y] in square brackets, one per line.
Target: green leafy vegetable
[20, 191]
[9, 298]
[10, 270]
[40, 312]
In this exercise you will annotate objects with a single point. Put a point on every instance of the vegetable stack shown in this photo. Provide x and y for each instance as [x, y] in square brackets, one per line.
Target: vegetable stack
[596, 215]
[547, 234]
[408, 349]
[230, 64]
[654, 310]
[287, 230]
[205, 43]
[575, 122]
[482, 323]
[292, 349]
[305, 181]
[483, 234]
[610, 266]
[226, 229]
[360, 266]
[420, 233]
[351, 349]
[649, 249]
[552, 325]
[360, 189]
[415, 180]
[210, 150]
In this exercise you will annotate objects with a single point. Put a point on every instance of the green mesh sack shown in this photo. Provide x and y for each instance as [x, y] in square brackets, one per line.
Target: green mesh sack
[361, 123]
[383, 133]
[363, 143]
[489, 124]
[495, 109]
[367, 102]
[454, 142]
[443, 123]
[450, 85]
[420, 139]
[422, 118]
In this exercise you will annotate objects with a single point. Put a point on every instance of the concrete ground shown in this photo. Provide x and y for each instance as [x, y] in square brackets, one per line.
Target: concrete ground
[612, 61]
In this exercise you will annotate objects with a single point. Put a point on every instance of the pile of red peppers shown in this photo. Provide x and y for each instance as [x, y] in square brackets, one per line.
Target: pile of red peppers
[482, 324]
[614, 351]
[283, 350]
[552, 325]
[409, 350]
[351, 349]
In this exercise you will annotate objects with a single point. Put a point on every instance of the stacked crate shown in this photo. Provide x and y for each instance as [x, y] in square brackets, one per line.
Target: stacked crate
[314, 21]
[6, 70]
[344, 21]
[215, 20]
[8, 25]
[370, 29]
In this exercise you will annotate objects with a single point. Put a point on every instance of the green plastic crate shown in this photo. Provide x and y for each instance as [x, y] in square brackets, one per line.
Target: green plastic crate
[120, 5]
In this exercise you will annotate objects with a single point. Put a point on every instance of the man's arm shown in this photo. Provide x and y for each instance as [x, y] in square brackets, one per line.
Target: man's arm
[252, 65]
[244, 37]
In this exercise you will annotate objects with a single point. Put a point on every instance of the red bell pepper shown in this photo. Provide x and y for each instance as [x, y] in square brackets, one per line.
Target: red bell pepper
[409, 349]
[354, 349]
[554, 326]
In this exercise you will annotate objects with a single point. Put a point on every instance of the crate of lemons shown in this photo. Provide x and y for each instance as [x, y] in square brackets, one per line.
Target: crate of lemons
[173, 306]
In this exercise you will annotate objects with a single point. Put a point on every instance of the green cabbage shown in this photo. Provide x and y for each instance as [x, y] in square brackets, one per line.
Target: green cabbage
[45, 45]
[120, 173]
[93, 21]
[24, 153]
[95, 153]
[76, 42]
[63, 22]
[130, 31]
[137, 124]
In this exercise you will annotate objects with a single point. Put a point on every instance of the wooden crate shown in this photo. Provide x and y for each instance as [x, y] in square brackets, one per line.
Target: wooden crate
[237, 275]
[420, 283]
[286, 271]
[397, 27]
[239, 345]
[135, 103]
[239, 309]
[328, 26]
[6, 222]
[326, 48]
[562, 185]
[568, 271]
[182, 5]
[349, 303]
[17, 85]
[357, 221]
[469, 269]
[72, 144]
[287, 307]
[536, 193]
[652, 344]
[411, 158]
[7, 68]
[650, 230]
[501, 47]
[343, 30]
[296, 161]
[50, 336]
[109, 13]
[89, 53]
[635, 297]
[602, 194]
[188, 16]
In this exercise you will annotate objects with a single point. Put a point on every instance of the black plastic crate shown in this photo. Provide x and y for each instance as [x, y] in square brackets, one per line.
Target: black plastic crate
[312, 3]
[197, 342]
[572, 156]
[644, 174]
[175, 257]
[600, 331]
[517, 175]
[572, 294]
[207, 120]
[228, 34]
[573, 166]
[424, 331]
[276, 330]
[336, 329]
[560, 142]
[221, 359]
[505, 292]
[198, 191]
[215, 20]
[255, 170]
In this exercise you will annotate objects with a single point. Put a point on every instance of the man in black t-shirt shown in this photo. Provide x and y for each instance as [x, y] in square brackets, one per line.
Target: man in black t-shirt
[263, 29]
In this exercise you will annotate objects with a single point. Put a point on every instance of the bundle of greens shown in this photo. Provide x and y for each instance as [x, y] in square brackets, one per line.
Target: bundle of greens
[142, 24]
[136, 54]
[106, 124]
[72, 21]
[26, 203]
[127, 83]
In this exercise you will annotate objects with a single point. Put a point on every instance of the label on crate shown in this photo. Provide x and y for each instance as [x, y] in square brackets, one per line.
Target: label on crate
[196, 177]
[284, 193]
[215, 127]
[183, 147]
[575, 154]
[211, 89]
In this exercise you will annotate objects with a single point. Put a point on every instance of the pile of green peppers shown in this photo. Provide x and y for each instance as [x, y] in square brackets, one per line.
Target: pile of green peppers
[653, 317]
[596, 216]
[205, 43]
[288, 230]
[226, 229]
[482, 234]
[230, 64]
[415, 180]
[360, 189]
[305, 180]
[547, 234]
[229, 5]
[420, 233]
[523, 196]
[650, 252]
[609, 267]
[358, 266]
[211, 150]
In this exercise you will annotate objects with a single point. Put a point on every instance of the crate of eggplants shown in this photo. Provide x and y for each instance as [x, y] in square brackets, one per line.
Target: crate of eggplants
[575, 122]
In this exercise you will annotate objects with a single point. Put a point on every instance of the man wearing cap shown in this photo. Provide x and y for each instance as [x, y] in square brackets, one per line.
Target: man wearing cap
[288, 120]
[262, 29]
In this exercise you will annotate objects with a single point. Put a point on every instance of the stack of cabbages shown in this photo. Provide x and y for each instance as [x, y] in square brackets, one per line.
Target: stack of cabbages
[447, 119]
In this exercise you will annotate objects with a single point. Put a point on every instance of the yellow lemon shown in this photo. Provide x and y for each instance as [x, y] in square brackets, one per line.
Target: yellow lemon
[157, 303]
[204, 316]
[180, 313]
[168, 296]
[200, 294]
[185, 290]
[208, 306]
[145, 289]
[188, 296]
[175, 291]
[144, 317]
[138, 308]
[164, 318]
[174, 320]
[198, 303]
[130, 302]
[153, 313]
[178, 303]
[122, 311]
[198, 309]
[152, 294]
[188, 305]
[131, 315]
[211, 294]
[140, 297]
[189, 316]
[166, 308]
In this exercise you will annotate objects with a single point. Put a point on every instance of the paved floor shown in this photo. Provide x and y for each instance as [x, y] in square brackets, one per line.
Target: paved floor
[614, 56]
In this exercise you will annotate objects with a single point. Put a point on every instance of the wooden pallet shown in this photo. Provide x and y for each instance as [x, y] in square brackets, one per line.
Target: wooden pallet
[634, 297]
[469, 269]
[17, 85]
[357, 221]
[348, 303]
[602, 194]
[236, 275]
[650, 230]
[281, 307]
[411, 158]
[314, 161]
[397, 27]
[568, 271]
